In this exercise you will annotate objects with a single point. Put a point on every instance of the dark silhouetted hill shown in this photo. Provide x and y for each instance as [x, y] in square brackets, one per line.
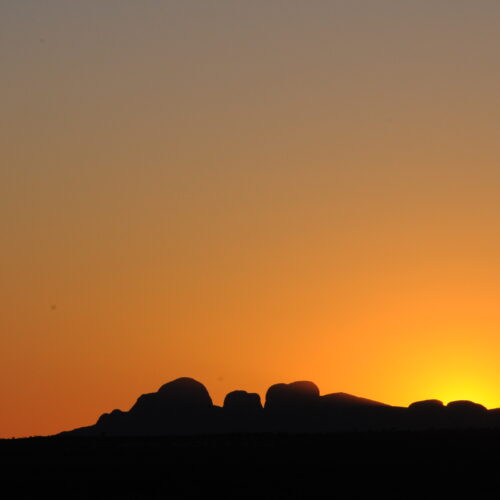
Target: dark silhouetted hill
[184, 407]
[175, 443]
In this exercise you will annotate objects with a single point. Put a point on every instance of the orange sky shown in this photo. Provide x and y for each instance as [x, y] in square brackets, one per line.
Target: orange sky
[246, 193]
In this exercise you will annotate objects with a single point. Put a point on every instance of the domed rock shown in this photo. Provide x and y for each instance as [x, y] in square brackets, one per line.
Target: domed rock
[276, 394]
[242, 401]
[182, 394]
[304, 389]
[466, 413]
[427, 405]
[297, 394]
[186, 391]
[110, 418]
[468, 407]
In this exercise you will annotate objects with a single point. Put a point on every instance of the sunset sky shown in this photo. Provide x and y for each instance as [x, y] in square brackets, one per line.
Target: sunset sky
[246, 192]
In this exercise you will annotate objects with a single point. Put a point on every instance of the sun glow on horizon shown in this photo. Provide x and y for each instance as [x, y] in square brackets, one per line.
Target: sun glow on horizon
[464, 384]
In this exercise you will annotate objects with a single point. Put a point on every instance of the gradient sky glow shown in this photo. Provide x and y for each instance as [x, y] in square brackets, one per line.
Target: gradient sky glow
[246, 192]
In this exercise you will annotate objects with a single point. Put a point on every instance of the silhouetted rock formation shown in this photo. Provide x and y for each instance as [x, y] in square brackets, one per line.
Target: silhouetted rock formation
[428, 405]
[347, 412]
[242, 401]
[427, 414]
[344, 400]
[183, 394]
[109, 418]
[178, 407]
[466, 414]
[296, 395]
[242, 412]
[467, 407]
[184, 406]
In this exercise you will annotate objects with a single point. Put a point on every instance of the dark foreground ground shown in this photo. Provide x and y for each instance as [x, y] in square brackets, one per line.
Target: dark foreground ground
[426, 464]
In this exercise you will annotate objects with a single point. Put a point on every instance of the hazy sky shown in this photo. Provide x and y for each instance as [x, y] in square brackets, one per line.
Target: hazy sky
[246, 192]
